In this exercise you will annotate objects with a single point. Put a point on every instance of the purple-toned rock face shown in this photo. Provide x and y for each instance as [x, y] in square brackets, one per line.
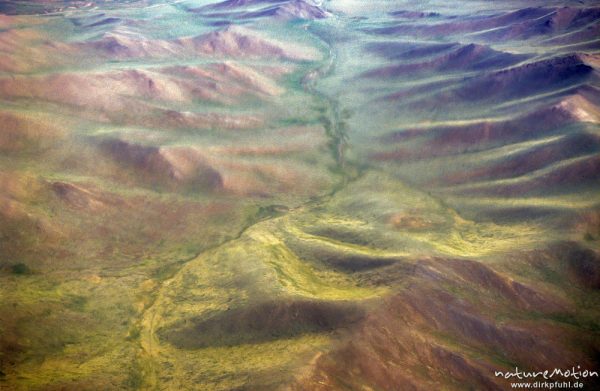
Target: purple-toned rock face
[299, 194]
[269, 9]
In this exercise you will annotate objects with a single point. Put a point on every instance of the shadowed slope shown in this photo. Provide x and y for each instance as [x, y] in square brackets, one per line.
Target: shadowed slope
[261, 323]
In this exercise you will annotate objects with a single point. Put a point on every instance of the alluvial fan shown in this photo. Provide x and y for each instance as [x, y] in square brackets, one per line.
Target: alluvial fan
[299, 194]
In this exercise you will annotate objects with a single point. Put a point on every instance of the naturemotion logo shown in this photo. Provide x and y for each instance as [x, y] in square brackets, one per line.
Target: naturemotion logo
[575, 373]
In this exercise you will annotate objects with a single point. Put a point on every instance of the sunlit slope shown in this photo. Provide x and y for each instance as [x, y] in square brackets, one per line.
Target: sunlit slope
[314, 292]
[207, 118]
[125, 153]
[494, 101]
